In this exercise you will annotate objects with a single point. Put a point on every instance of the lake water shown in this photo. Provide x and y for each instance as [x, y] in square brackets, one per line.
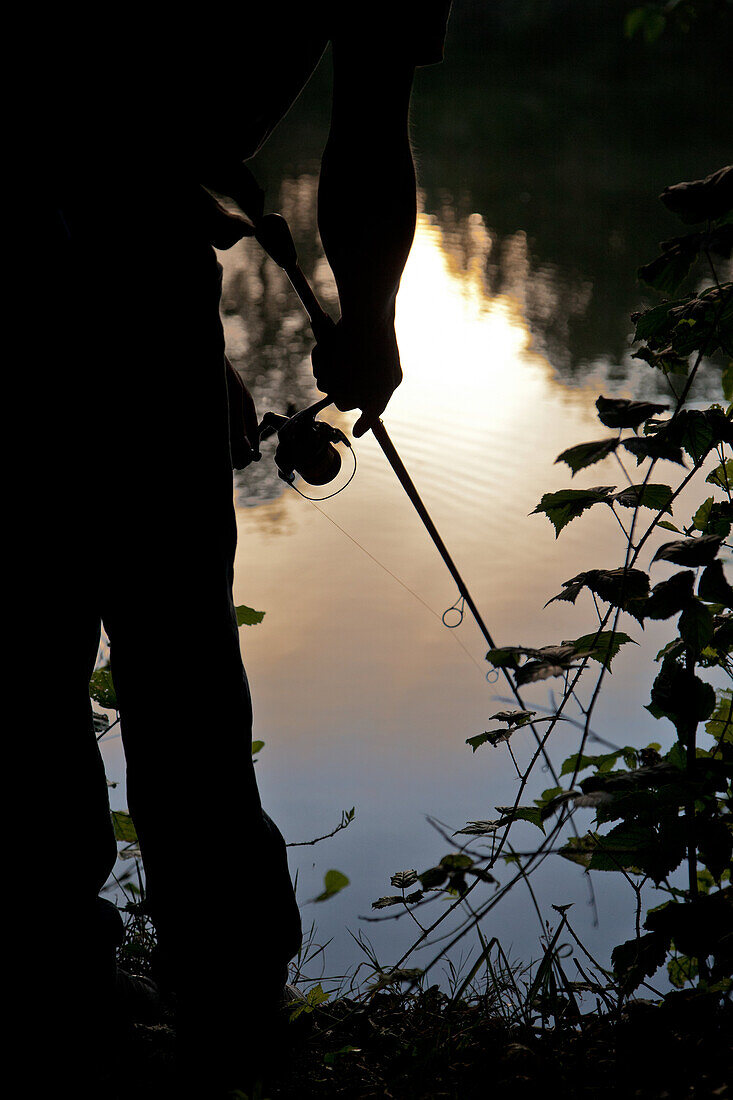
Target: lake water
[512, 317]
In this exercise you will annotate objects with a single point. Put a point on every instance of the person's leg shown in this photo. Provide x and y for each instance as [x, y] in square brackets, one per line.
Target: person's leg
[216, 870]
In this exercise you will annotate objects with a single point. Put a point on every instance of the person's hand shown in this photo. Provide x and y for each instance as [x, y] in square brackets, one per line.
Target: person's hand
[243, 436]
[358, 366]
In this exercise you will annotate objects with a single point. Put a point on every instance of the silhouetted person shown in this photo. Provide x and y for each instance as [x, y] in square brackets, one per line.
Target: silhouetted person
[135, 416]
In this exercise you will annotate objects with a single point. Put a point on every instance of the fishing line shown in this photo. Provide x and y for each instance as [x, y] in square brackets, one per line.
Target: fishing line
[394, 577]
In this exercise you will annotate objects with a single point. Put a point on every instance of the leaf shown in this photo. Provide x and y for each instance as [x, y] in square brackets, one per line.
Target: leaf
[603, 763]
[701, 200]
[514, 717]
[532, 814]
[124, 828]
[696, 626]
[257, 746]
[620, 412]
[311, 1000]
[586, 454]
[615, 586]
[101, 688]
[670, 596]
[602, 646]
[383, 903]
[655, 324]
[479, 828]
[668, 270]
[393, 977]
[247, 616]
[720, 723]
[567, 504]
[722, 475]
[403, 879]
[333, 883]
[682, 970]
[653, 446]
[657, 497]
[691, 551]
[681, 696]
[638, 959]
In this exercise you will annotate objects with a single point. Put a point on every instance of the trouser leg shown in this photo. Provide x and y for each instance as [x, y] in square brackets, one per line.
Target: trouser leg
[216, 870]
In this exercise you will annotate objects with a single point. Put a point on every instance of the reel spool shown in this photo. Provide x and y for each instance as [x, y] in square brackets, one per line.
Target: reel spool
[306, 446]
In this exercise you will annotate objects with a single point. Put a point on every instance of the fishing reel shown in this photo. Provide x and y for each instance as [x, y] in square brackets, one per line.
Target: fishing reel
[306, 446]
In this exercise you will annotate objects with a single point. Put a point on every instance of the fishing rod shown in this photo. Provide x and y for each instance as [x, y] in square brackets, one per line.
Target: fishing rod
[305, 444]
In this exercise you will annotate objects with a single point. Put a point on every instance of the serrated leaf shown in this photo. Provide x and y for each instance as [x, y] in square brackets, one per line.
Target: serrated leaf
[620, 412]
[479, 828]
[667, 271]
[638, 959]
[567, 504]
[615, 586]
[586, 454]
[602, 646]
[720, 723]
[513, 717]
[691, 551]
[722, 475]
[657, 497]
[403, 879]
[383, 903]
[653, 446]
[247, 616]
[532, 814]
[670, 596]
[701, 200]
[696, 626]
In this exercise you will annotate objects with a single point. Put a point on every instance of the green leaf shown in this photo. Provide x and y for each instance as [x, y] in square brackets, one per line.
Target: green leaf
[603, 763]
[701, 200]
[653, 446]
[638, 959]
[714, 587]
[532, 814]
[691, 551]
[670, 596]
[101, 688]
[720, 723]
[722, 475]
[247, 616]
[567, 504]
[602, 646]
[696, 626]
[257, 746]
[681, 696]
[668, 270]
[586, 454]
[620, 412]
[311, 1000]
[682, 970]
[333, 883]
[383, 903]
[657, 497]
[625, 588]
[123, 827]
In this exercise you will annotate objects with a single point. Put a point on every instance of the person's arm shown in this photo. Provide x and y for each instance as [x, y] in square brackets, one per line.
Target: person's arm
[366, 217]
